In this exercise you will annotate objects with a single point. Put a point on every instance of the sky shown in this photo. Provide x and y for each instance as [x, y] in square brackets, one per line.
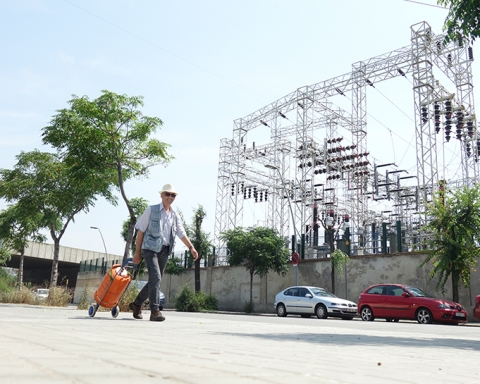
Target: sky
[199, 66]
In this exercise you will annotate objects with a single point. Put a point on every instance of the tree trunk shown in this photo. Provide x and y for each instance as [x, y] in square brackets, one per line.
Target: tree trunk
[332, 249]
[20, 268]
[198, 240]
[56, 255]
[333, 277]
[128, 243]
[251, 288]
[455, 278]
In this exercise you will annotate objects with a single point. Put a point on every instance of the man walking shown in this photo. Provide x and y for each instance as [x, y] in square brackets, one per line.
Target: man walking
[157, 228]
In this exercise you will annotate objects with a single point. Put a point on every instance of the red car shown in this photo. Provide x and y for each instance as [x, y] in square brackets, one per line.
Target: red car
[476, 310]
[395, 301]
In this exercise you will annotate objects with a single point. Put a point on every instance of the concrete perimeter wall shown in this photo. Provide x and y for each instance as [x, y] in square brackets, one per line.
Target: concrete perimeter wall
[231, 285]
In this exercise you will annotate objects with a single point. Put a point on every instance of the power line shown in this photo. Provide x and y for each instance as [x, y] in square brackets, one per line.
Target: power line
[429, 5]
[163, 49]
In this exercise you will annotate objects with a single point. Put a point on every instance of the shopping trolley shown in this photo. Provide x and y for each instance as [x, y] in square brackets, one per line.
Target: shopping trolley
[112, 288]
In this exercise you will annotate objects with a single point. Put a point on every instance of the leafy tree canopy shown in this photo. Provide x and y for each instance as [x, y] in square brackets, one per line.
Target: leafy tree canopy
[41, 183]
[108, 140]
[454, 227]
[258, 249]
[463, 19]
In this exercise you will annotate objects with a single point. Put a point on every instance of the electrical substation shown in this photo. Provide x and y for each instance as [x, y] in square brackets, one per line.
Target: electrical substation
[316, 179]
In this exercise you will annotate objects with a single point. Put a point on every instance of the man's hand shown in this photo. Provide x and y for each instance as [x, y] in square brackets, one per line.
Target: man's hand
[194, 254]
[137, 258]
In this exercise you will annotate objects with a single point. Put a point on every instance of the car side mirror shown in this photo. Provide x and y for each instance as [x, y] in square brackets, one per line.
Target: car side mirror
[309, 295]
[405, 294]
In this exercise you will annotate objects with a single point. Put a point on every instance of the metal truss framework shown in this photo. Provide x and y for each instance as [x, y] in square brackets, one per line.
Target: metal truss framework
[308, 163]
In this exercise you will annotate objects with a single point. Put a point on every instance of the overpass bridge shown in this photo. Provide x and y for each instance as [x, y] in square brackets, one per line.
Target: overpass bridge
[38, 258]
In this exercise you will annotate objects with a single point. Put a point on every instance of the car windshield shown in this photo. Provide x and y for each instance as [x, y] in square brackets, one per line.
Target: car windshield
[321, 292]
[42, 291]
[418, 292]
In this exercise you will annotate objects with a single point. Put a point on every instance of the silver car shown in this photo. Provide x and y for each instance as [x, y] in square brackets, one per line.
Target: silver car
[308, 301]
[139, 284]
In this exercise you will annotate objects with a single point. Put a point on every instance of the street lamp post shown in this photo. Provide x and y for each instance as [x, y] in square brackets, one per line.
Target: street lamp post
[104, 246]
[291, 212]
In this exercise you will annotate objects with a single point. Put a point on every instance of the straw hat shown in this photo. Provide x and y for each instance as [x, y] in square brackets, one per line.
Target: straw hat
[168, 188]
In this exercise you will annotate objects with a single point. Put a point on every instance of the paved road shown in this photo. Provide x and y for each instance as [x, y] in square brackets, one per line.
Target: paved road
[64, 345]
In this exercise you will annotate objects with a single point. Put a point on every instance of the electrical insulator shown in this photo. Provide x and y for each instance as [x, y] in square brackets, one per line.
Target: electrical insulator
[469, 149]
[470, 128]
[459, 124]
[249, 193]
[448, 129]
[424, 115]
[437, 117]
[449, 59]
[261, 196]
[448, 110]
[470, 53]
[266, 195]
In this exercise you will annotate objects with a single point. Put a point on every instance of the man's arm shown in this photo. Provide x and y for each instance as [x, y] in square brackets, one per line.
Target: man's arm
[190, 247]
[137, 258]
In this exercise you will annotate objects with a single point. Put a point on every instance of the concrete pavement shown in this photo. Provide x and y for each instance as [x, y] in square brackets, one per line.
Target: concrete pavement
[63, 345]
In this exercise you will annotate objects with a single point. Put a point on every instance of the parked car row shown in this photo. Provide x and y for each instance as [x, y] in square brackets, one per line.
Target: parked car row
[392, 302]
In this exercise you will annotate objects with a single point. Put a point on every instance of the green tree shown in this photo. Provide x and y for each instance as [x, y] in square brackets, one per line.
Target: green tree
[16, 229]
[200, 241]
[258, 249]
[463, 19]
[174, 266]
[41, 183]
[108, 139]
[455, 234]
[139, 204]
[5, 254]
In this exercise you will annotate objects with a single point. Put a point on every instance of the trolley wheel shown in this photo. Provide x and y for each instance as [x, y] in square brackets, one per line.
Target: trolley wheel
[115, 311]
[92, 310]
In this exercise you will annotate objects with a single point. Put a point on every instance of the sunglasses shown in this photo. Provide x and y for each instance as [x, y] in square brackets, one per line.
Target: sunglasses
[168, 194]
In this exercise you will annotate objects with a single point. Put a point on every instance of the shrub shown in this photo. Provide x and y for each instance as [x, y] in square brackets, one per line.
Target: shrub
[189, 301]
[129, 296]
[83, 303]
[248, 307]
[7, 282]
[15, 296]
[58, 296]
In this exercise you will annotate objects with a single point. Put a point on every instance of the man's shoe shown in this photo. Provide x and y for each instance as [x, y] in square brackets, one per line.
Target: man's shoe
[137, 310]
[156, 315]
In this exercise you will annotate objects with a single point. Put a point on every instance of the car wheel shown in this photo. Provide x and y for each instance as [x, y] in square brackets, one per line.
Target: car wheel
[424, 316]
[281, 311]
[321, 311]
[367, 314]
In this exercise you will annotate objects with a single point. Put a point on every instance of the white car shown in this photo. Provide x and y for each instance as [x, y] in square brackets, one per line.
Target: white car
[309, 301]
[139, 284]
[41, 293]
